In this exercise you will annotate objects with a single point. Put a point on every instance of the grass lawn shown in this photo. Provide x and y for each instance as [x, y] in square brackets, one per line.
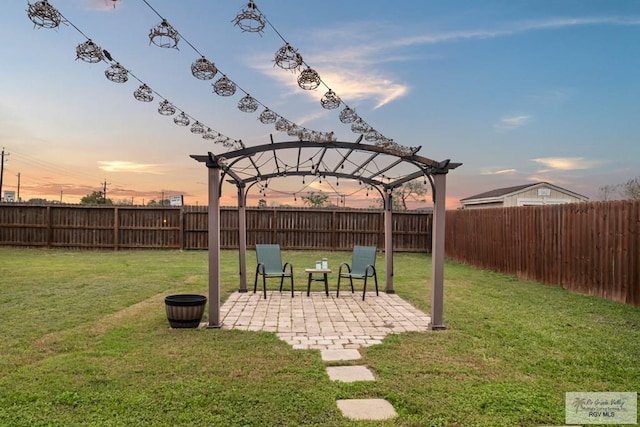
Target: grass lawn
[85, 341]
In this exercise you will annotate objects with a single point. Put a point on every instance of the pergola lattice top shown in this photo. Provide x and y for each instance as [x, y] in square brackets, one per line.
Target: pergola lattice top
[374, 165]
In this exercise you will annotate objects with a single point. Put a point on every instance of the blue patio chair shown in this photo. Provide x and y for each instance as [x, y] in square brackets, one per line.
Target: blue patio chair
[363, 265]
[270, 266]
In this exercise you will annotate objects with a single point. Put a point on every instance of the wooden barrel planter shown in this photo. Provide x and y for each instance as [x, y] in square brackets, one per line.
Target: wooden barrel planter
[184, 310]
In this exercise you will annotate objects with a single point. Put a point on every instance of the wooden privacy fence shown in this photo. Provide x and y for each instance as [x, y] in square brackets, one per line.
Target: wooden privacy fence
[591, 248]
[111, 227]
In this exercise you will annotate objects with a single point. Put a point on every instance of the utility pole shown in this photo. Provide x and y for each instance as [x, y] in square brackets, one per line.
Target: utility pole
[2, 172]
[18, 199]
[104, 192]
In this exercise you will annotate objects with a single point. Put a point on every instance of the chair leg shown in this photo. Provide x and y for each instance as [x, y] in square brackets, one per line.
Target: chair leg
[351, 282]
[364, 291]
[255, 283]
[264, 285]
[281, 282]
[338, 287]
[375, 279]
[292, 286]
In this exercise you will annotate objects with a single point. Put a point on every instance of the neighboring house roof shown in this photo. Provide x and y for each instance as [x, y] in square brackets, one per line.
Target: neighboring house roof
[501, 192]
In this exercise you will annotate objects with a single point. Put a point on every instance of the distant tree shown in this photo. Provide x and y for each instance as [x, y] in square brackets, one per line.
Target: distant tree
[38, 201]
[262, 203]
[95, 198]
[412, 190]
[124, 202]
[631, 189]
[607, 192]
[316, 200]
[161, 202]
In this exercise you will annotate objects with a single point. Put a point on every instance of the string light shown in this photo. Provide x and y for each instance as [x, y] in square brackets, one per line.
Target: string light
[247, 104]
[224, 87]
[309, 79]
[164, 35]
[143, 93]
[89, 52]
[249, 19]
[43, 15]
[117, 73]
[203, 69]
[166, 109]
[181, 119]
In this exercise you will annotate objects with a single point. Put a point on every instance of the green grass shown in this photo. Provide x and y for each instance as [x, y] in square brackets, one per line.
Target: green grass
[85, 341]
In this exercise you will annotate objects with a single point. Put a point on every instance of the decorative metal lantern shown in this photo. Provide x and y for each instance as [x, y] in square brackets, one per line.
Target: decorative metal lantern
[166, 109]
[143, 93]
[209, 134]
[267, 116]
[203, 69]
[250, 19]
[198, 128]
[288, 58]
[164, 35]
[360, 126]
[43, 15]
[224, 87]
[348, 115]
[304, 134]
[293, 130]
[309, 79]
[248, 104]
[283, 124]
[89, 52]
[330, 100]
[373, 136]
[181, 119]
[117, 73]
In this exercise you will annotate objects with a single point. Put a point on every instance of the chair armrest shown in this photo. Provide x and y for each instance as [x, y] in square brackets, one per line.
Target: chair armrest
[284, 268]
[366, 270]
[344, 264]
[260, 270]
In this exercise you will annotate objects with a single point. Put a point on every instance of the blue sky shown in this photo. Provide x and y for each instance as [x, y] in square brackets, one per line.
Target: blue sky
[517, 91]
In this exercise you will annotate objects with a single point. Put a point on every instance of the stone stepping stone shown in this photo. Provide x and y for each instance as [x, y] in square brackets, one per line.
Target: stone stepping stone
[366, 409]
[335, 355]
[350, 374]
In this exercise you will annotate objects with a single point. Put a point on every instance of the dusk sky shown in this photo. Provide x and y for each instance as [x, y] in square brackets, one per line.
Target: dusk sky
[517, 91]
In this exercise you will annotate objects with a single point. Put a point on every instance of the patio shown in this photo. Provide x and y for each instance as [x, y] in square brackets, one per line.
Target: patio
[321, 322]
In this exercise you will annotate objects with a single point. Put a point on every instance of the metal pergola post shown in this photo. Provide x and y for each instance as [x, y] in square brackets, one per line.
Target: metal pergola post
[437, 250]
[242, 238]
[214, 246]
[388, 240]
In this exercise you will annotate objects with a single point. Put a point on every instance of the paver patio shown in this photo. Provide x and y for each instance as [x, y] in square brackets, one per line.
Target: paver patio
[321, 322]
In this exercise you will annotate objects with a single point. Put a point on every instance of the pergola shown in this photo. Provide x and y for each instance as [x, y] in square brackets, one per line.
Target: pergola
[381, 167]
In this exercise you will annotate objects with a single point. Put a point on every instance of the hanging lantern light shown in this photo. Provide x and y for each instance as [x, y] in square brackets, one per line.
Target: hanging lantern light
[203, 69]
[181, 119]
[309, 79]
[224, 87]
[293, 130]
[197, 128]
[250, 19]
[143, 93]
[348, 115]
[164, 35]
[209, 135]
[248, 104]
[117, 73]
[267, 116]
[89, 52]
[283, 124]
[288, 58]
[359, 126]
[43, 15]
[330, 100]
[166, 109]
[373, 136]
